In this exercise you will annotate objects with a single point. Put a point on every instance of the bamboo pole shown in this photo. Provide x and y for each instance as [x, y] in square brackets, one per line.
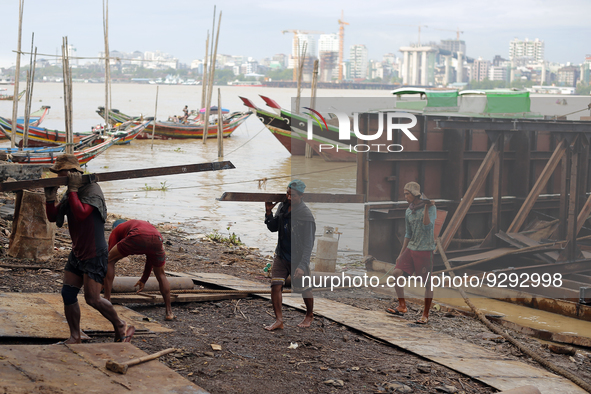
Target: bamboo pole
[309, 152]
[208, 87]
[17, 71]
[301, 60]
[220, 127]
[29, 94]
[204, 82]
[67, 96]
[211, 78]
[107, 62]
[155, 117]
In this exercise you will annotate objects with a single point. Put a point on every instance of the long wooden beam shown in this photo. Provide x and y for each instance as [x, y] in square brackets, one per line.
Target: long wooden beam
[537, 189]
[468, 197]
[117, 175]
[280, 197]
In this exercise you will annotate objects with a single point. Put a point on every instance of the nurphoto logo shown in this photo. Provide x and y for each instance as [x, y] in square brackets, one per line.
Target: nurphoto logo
[345, 130]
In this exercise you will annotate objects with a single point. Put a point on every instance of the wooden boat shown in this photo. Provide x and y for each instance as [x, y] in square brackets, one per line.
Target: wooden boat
[325, 135]
[34, 120]
[84, 155]
[10, 97]
[36, 117]
[173, 130]
[45, 137]
[280, 129]
[116, 117]
[127, 132]
[40, 136]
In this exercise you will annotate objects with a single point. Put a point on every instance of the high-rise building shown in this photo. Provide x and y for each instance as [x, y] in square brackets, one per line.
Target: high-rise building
[281, 59]
[479, 70]
[311, 49]
[328, 53]
[586, 70]
[453, 46]
[328, 43]
[533, 50]
[358, 59]
[497, 73]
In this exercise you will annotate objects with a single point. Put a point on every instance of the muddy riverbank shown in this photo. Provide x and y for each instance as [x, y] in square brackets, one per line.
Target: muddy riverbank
[329, 356]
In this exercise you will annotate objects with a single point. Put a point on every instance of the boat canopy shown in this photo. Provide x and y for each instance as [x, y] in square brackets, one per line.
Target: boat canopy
[435, 98]
[214, 110]
[497, 101]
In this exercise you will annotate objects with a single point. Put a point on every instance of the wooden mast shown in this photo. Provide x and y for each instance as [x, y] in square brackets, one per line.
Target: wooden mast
[17, 71]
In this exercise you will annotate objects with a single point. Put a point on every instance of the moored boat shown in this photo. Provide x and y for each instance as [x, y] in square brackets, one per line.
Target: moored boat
[34, 120]
[176, 130]
[49, 155]
[11, 96]
[325, 139]
[45, 137]
[280, 129]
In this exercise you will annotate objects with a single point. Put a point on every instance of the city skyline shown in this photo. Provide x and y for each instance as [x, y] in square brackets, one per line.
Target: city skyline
[179, 27]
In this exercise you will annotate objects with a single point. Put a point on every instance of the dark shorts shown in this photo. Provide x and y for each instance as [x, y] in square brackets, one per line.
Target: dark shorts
[418, 262]
[95, 268]
[281, 269]
[148, 244]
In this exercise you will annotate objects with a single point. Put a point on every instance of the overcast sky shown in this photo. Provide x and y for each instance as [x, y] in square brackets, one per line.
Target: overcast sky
[253, 27]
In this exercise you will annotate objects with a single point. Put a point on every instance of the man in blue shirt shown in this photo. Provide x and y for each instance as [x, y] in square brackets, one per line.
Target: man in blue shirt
[416, 255]
[296, 226]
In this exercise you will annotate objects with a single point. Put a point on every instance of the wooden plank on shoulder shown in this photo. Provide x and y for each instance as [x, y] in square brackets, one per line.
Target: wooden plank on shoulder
[280, 197]
[118, 175]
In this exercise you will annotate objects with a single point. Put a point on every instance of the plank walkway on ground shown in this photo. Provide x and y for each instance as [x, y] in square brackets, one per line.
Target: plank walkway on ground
[182, 297]
[81, 369]
[41, 315]
[472, 360]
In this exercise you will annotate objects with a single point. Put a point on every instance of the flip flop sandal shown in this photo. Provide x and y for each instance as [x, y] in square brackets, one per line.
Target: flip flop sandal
[394, 312]
[422, 320]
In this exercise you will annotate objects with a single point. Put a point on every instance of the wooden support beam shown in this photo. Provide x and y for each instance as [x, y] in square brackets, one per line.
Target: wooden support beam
[468, 198]
[538, 187]
[572, 207]
[563, 204]
[497, 186]
[117, 175]
[584, 214]
[280, 197]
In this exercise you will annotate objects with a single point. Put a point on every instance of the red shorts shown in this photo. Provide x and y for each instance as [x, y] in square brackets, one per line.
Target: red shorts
[418, 262]
[138, 243]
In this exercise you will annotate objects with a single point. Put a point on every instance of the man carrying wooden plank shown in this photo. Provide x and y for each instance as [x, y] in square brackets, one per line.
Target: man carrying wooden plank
[85, 207]
[416, 255]
[131, 237]
[296, 226]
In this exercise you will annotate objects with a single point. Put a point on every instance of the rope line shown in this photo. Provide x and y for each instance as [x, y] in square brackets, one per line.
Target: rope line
[237, 182]
[584, 109]
[259, 132]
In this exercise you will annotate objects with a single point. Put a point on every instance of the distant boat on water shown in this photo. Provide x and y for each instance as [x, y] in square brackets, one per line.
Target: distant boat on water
[5, 96]
[245, 83]
[171, 129]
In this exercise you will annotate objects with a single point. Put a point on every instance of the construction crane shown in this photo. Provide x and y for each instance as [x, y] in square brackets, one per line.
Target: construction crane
[419, 26]
[296, 47]
[458, 32]
[342, 24]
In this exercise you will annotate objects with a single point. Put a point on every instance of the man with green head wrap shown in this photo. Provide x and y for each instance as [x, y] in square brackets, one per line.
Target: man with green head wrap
[296, 227]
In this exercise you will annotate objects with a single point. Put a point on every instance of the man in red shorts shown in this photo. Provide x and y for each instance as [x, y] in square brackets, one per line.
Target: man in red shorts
[84, 207]
[139, 237]
[416, 255]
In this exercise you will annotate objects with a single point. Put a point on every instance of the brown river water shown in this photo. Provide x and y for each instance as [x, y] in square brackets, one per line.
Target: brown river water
[190, 200]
